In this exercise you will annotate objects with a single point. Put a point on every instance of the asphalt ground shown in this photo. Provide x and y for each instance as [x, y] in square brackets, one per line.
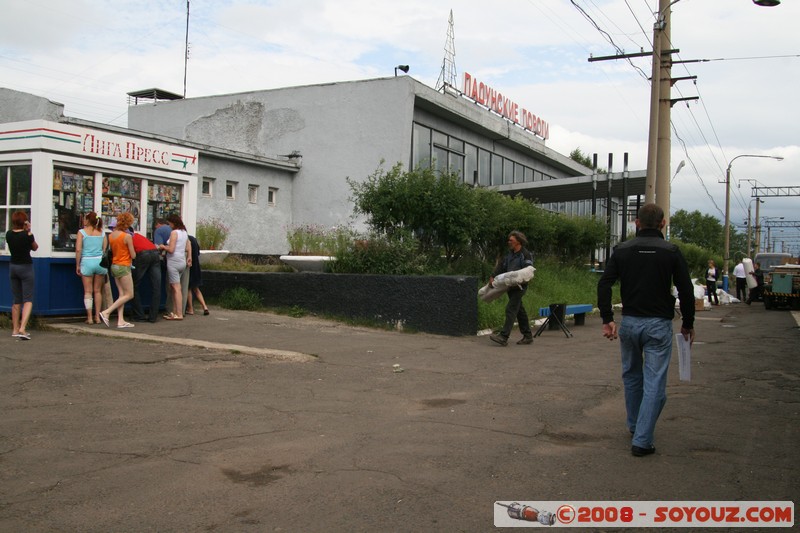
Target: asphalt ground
[244, 421]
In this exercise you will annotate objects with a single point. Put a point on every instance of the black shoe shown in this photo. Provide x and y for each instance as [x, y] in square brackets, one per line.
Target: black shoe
[499, 339]
[641, 452]
[527, 339]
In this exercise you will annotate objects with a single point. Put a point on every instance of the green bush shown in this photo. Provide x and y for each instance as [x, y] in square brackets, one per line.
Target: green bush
[239, 264]
[452, 220]
[388, 254]
[697, 259]
[240, 299]
[212, 234]
[314, 239]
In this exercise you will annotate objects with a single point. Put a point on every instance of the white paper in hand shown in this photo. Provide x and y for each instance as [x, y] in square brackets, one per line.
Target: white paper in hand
[684, 358]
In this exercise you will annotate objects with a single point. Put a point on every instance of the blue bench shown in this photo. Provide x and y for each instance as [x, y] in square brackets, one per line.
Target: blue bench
[578, 310]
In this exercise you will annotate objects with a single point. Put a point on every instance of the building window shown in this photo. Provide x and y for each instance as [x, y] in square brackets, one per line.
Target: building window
[272, 196]
[471, 165]
[484, 167]
[15, 195]
[528, 174]
[497, 170]
[421, 146]
[252, 194]
[208, 187]
[230, 190]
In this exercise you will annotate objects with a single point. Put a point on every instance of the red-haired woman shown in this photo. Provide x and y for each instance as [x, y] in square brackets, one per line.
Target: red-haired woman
[21, 243]
[88, 251]
[123, 255]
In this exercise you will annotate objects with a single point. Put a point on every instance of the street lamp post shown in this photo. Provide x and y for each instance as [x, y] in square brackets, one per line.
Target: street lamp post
[728, 214]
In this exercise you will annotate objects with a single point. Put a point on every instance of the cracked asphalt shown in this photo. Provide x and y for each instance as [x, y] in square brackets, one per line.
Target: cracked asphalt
[243, 421]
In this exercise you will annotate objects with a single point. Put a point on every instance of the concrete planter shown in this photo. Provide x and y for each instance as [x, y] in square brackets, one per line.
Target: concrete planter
[307, 263]
[213, 257]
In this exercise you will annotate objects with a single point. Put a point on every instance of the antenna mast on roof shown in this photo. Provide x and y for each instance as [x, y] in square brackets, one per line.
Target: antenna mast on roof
[447, 78]
[186, 50]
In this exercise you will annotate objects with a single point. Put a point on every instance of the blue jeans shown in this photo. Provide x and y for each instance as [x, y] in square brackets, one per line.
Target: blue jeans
[646, 345]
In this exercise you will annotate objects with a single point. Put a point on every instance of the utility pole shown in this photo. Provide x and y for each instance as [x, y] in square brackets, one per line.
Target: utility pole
[655, 96]
[664, 147]
[758, 226]
[186, 51]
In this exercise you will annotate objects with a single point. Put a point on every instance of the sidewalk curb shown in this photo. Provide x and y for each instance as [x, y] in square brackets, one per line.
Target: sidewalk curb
[280, 355]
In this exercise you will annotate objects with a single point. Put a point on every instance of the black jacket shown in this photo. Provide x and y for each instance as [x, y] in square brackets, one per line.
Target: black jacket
[514, 261]
[647, 266]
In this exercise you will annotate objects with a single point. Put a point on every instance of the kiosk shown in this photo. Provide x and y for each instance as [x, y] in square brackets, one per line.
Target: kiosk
[58, 172]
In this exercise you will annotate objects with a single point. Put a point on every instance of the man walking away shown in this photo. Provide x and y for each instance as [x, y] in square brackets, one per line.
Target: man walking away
[646, 266]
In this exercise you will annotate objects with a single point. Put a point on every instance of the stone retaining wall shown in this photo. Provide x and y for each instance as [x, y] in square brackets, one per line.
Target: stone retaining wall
[446, 305]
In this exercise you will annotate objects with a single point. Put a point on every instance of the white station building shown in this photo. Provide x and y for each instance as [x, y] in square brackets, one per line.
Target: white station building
[264, 161]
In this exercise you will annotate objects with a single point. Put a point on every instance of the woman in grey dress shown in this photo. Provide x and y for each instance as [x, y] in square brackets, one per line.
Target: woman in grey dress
[179, 256]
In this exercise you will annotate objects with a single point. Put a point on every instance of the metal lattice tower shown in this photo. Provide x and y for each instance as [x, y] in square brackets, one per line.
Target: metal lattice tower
[447, 77]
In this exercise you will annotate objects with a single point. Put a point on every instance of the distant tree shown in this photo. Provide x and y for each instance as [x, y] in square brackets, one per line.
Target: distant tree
[696, 228]
[706, 232]
[579, 157]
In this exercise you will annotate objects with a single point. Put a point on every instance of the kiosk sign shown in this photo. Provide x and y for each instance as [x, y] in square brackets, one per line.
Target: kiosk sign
[97, 143]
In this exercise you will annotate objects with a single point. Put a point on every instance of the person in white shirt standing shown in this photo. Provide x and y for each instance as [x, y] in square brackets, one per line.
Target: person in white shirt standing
[741, 281]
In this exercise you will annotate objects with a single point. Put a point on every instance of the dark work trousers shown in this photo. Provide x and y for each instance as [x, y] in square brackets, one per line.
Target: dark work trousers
[516, 311]
[741, 288]
[711, 287]
[147, 263]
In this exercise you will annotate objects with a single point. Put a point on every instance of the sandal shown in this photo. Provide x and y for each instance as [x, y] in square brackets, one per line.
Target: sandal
[104, 319]
[125, 325]
[173, 317]
[206, 312]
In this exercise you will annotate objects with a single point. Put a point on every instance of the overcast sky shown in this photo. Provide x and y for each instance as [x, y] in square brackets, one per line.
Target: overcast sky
[88, 54]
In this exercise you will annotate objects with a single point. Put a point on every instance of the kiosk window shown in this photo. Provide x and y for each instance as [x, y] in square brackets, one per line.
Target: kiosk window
[163, 199]
[73, 197]
[121, 195]
[15, 195]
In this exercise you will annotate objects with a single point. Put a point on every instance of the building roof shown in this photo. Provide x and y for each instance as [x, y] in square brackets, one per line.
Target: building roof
[578, 188]
[153, 95]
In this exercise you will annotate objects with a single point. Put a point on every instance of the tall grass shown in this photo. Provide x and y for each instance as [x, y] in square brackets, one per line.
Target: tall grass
[238, 264]
[553, 283]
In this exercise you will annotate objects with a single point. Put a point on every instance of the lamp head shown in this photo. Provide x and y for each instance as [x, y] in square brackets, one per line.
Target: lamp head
[404, 68]
[767, 3]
